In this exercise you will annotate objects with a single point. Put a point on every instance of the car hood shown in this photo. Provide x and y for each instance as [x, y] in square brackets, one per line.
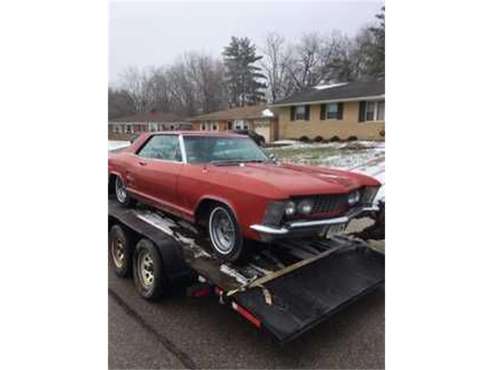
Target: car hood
[294, 180]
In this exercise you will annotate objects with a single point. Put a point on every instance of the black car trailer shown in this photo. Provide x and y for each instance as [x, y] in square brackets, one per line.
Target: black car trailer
[283, 289]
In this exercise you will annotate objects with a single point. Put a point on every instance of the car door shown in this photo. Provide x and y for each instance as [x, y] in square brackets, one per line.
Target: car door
[158, 166]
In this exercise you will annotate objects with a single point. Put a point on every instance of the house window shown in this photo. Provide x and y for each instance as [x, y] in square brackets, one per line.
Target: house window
[372, 110]
[214, 127]
[332, 111]
[300, 112]
[129, 129]
[381, 110]
[241, 124]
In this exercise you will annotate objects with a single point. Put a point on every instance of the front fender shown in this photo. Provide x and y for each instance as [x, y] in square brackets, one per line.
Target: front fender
[248, 209]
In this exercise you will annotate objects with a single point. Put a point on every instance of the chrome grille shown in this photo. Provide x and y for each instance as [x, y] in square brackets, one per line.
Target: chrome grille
[330, 204]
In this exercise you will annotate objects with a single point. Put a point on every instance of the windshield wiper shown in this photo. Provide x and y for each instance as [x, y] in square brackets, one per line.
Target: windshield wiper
[256, 161]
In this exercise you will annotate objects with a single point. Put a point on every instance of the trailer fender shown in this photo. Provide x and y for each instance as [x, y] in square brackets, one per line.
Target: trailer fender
[175, 267]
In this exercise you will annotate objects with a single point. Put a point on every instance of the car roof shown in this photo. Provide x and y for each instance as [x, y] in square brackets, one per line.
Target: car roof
[199, 133]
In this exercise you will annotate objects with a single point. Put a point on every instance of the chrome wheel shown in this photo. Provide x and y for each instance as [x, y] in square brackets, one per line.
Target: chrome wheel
[118, 252]
[222, 230]
[120, 190]
[145, 266]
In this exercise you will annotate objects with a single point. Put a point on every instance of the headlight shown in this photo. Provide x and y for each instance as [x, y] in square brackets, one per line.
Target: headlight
[369, 194]
[274, 213]
[290, 208]
[305, 206]
[353, 198]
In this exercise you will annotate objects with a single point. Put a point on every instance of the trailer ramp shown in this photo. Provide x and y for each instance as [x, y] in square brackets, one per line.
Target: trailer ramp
[303, 298]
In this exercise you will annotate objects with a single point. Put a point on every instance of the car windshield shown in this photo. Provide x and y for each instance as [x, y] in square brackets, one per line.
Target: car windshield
[222, 149]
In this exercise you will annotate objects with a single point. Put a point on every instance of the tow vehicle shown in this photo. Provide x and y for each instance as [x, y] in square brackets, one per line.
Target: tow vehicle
[283, 290]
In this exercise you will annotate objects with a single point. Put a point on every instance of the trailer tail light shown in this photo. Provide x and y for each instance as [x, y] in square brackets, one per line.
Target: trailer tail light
[246, 314]
[204, 292]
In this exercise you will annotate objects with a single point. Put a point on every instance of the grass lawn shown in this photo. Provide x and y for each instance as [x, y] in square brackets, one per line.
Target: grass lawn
[343, 155]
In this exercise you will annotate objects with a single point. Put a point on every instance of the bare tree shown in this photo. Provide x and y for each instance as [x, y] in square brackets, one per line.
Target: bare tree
[136, 83]
[119, 103]
[342, 62]
[207, 74]
[275, 64]
[305, 68]
[159, 91]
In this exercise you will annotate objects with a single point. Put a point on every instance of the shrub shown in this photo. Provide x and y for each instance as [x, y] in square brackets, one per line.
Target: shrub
[304, 139]
[352, 138]
[335, 139]
[318, 139]
[382, 133]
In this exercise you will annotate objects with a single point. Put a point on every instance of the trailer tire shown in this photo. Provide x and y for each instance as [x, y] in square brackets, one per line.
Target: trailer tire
[148, 271]
[120, 251]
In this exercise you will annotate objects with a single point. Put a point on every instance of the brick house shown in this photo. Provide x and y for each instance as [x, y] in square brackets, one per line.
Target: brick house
[256, 117]
[342, 110]
[124, 128]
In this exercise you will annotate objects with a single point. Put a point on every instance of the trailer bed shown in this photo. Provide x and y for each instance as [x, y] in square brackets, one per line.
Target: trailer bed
[284, 288]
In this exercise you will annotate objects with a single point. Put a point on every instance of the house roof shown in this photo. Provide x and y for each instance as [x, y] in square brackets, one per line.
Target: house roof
[248, 112]
[333, 92]
[150, 117]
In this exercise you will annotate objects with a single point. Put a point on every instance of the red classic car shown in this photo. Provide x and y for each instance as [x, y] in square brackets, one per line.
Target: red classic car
[227, 184]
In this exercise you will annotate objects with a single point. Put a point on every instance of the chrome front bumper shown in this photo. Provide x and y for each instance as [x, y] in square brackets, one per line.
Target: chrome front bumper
[300, 225]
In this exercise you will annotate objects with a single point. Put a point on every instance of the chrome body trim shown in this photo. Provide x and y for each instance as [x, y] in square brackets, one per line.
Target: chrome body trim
[269, 229]
[182, 148]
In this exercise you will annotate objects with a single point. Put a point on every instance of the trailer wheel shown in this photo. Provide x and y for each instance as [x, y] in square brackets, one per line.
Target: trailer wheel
[148, 271]
[120, 251]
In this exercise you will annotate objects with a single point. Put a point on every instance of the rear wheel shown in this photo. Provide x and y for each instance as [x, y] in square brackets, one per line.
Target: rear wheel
[148, 271]
[225, 234]
[121, 193]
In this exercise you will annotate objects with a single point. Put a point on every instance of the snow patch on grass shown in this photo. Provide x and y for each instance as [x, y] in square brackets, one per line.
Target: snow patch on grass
[116, 144]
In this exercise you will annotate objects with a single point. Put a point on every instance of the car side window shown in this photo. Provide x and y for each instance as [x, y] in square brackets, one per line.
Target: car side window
[164, 147]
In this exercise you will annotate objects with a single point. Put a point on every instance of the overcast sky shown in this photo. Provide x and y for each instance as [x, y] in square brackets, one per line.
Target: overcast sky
[155, 33]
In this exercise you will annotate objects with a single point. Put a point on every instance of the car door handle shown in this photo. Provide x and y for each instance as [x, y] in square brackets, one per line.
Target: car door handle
[143, 163]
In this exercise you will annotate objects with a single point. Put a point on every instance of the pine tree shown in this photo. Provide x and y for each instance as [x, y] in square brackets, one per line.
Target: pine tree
[376, 50]
[243, 77]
